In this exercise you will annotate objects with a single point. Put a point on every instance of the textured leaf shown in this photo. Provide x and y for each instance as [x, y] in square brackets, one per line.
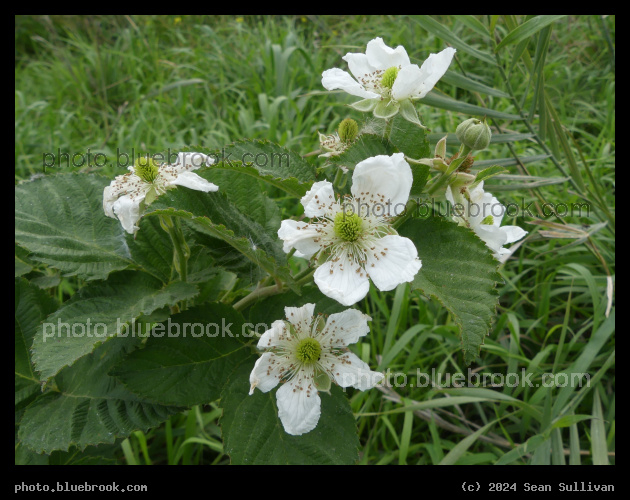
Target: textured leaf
[189, 363]
[215, 216]
[122, 298]
[88, 407]
[253, 433]
[270, 161]
[32, 305]
[366, 146]
[460, 272]
[410, 139]
[60, 220]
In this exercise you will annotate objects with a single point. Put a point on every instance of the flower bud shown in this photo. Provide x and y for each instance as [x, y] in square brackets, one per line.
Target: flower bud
[474, 134]
[348, 130]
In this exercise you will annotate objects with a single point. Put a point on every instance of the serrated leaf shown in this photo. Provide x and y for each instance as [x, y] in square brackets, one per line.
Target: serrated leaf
[88, 406]
[190, 361]
[217, 217]
[269, 159]
[249, 196]
[410, 139]
[60, 220]
[460, 272]
[253, 434]
[124, 297]
[32, 305]
[367, 146]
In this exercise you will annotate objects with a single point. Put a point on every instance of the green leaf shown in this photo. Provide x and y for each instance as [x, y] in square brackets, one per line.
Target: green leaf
[253, 434]
[432, 26]
[23, 264]
[60, 220]
[215, 216]
[442, 102]
[527, 29]
[190, 361]
[96, 313]
[32, 305]
[88, 407]
[488, 173]
[420, 174]
[409, 139]
[249, 196]
[460, 272]
[269, 159]
[466, 83]
[366, 146]
[272, 308]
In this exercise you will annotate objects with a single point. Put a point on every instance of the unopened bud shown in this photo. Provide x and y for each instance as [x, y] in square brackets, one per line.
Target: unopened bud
[474, 134]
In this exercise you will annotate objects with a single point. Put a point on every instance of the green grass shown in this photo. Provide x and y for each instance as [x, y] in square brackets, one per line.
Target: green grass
[113, 83]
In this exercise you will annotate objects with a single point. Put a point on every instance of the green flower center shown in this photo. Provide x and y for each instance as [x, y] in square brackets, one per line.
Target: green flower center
[389, 77]
[348, 226]
[488, 220]
[147, 169]
[308, 350]
[348, 130]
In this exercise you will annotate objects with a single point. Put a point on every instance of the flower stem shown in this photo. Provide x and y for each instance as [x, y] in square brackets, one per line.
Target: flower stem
[441, 180]
[259, 293]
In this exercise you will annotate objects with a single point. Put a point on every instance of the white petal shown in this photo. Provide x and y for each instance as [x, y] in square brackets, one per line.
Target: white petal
[299, 406]
[513, 233]
[502, 254]
[191, 161]
[385, 180]
[347, 287]
[336, 78]
[299, 235]
[128, 211]
[358, 64]
[192, 181]
[272, 337]
[492, 236]
[267, 372]
[400, 264]
[108, 201]
[380, 56]
[301, 318]
[433, 69]
[318, 199]
[347, 327]
[350, 371]
[408, 82]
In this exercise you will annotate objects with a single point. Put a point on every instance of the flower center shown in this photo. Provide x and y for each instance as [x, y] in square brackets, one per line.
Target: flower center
[389, 77]
[146, 168]
[308, 350]
[489, 220]
[348, 130]
[348, 226]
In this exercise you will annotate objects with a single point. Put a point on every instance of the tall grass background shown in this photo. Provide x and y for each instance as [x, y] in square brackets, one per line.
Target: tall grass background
[117, 84]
